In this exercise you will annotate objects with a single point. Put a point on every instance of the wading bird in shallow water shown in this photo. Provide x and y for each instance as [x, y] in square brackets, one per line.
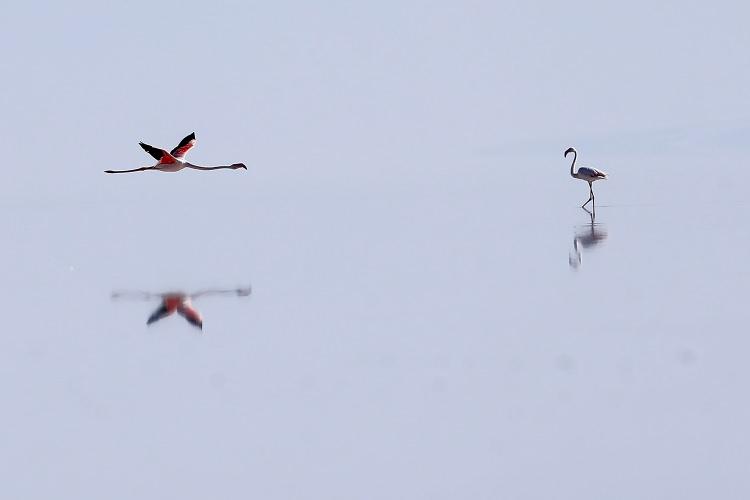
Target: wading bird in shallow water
[174, 160]
[587, 174]
[178, 302]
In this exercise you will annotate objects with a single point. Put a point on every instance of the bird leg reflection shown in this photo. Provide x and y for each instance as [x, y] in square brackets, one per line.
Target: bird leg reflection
[589, 236]
[133, 294]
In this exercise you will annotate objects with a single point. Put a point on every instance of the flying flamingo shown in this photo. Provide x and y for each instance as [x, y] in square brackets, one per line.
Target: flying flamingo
[587, 174]
[174, 160]
[179, 302]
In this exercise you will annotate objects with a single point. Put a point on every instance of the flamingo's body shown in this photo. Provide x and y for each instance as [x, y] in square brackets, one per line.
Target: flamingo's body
[174, 160]
[588, 174]
[180, 303]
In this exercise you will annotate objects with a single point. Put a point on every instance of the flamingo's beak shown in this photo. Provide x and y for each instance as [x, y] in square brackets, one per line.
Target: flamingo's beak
[569, 150]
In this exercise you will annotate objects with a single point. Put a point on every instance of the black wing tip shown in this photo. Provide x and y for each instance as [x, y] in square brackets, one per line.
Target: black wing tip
[188, 138]
[155, 152]
[183, 143]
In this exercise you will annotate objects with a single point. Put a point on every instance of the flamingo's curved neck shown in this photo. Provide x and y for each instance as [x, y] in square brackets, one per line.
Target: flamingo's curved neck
[575, 156]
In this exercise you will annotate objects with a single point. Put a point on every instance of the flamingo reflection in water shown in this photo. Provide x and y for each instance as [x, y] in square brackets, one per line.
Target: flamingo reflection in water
[589, 236]
[178, 302]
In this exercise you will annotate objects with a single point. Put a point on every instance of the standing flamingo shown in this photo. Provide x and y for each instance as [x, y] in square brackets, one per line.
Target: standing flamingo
[587, 174]
[179, 302]
[174, 160]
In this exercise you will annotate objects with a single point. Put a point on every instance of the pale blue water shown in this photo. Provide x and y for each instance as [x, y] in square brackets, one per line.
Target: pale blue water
[429, 334]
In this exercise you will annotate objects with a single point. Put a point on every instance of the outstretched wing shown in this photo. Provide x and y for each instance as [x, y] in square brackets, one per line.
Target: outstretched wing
[159, 154]
[184, 146]
[161, 312]
[190, 314]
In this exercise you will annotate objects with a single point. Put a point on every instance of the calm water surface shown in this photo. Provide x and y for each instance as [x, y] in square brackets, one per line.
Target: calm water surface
[466, 334]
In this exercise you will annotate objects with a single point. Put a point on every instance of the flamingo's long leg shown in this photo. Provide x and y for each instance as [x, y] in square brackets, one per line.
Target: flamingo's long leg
[591, 196]
[136, 294]
[131, 170]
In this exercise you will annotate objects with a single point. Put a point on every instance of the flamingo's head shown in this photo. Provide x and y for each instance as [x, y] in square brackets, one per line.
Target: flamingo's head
[239, 165]
[569, 150]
